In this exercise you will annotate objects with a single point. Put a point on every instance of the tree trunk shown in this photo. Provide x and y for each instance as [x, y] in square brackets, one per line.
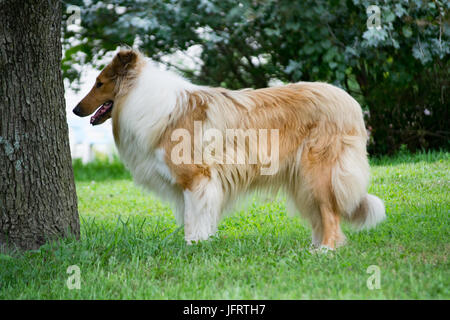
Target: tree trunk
[38, 201]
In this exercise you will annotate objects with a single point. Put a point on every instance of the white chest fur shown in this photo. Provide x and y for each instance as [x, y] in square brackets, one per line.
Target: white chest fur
[150, 171]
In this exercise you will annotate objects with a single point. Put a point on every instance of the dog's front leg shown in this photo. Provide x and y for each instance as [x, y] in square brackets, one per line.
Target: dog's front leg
[202, 209]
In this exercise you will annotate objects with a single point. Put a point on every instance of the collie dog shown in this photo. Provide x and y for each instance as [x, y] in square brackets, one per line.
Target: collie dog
[188, 144]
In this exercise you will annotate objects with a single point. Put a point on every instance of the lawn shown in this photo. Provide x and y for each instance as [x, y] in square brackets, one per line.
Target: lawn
[131, 248]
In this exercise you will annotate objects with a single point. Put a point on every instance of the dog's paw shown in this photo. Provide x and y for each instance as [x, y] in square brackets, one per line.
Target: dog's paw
[192, 241]
[320, 249]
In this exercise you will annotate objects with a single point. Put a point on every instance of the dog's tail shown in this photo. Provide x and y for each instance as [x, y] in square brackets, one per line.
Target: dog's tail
[368, 213]
[350, 177]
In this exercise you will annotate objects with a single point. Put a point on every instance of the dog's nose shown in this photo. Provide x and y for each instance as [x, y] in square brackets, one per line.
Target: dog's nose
[77, 110]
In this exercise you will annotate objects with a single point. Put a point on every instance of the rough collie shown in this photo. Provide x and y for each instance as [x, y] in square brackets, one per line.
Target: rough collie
[202, 148]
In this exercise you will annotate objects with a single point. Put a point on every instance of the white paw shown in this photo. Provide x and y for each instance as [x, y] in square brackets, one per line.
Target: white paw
[194, 240]
[321, 249]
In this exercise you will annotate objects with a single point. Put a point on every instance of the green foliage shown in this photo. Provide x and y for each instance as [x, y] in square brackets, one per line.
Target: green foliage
[100, 170]
[399, 73]
[131, 248]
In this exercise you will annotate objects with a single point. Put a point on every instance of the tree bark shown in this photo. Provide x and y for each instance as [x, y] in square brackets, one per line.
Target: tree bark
[38, 200]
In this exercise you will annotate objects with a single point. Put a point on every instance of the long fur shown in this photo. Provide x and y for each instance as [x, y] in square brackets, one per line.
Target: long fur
[322, 167]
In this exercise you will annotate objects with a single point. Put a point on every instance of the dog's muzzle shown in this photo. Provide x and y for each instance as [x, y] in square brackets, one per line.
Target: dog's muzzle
[77, 110]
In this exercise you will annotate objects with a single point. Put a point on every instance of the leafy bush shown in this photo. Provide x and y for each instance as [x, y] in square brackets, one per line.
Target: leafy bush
[100, 170]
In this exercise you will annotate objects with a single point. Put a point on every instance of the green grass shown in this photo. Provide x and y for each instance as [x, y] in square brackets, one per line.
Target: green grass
[131, 248]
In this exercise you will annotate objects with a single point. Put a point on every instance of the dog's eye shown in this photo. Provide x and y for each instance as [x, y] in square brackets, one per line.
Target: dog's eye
[99, 84]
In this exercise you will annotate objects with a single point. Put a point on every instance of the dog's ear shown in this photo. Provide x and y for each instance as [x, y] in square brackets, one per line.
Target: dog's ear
[124, 61]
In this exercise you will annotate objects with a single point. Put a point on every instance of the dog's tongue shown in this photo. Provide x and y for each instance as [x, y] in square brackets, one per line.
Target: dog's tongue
[103, 108]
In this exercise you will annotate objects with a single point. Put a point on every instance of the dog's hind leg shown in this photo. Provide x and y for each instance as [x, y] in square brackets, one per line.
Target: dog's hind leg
[317, 229]
[202, 209]
[325, 225]
[310, 212]
[332, 233]
[323, 212]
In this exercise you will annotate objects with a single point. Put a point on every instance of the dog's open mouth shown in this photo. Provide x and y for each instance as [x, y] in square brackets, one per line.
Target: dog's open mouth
[102, 114]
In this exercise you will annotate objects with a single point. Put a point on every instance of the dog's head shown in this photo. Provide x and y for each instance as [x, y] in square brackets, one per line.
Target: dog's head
[107, 87]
